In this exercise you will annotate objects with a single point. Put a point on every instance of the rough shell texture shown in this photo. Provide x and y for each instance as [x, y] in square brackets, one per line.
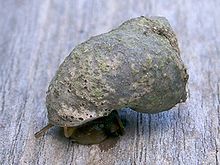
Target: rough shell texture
[136, 65]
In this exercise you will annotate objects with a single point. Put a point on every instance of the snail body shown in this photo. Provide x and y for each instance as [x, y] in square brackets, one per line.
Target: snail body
[136, 65]
[96, 131]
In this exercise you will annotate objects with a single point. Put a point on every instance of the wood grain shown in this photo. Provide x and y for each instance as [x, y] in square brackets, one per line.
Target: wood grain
[37, 35]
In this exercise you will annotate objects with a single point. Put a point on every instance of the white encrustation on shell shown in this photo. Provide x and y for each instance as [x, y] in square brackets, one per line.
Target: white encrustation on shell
[136, 65]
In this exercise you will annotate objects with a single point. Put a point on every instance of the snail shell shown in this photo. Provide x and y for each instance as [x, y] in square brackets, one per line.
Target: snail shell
[136, 65]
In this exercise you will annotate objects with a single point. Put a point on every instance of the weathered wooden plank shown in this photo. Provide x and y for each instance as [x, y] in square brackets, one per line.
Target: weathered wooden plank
[37, 35]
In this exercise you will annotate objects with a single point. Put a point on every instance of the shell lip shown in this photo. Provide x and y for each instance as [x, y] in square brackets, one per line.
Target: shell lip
[63, 123]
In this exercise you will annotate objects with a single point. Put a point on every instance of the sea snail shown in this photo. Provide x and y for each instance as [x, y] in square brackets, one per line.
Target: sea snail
[136, 65]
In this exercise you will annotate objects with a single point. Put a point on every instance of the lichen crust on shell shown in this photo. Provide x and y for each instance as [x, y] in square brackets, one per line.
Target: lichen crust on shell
[136, 65]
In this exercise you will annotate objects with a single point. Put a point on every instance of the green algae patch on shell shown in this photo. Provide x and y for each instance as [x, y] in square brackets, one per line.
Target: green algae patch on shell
[136, 65]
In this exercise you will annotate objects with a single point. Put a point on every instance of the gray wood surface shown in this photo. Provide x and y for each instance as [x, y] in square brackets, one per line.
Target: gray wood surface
[35, 37]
